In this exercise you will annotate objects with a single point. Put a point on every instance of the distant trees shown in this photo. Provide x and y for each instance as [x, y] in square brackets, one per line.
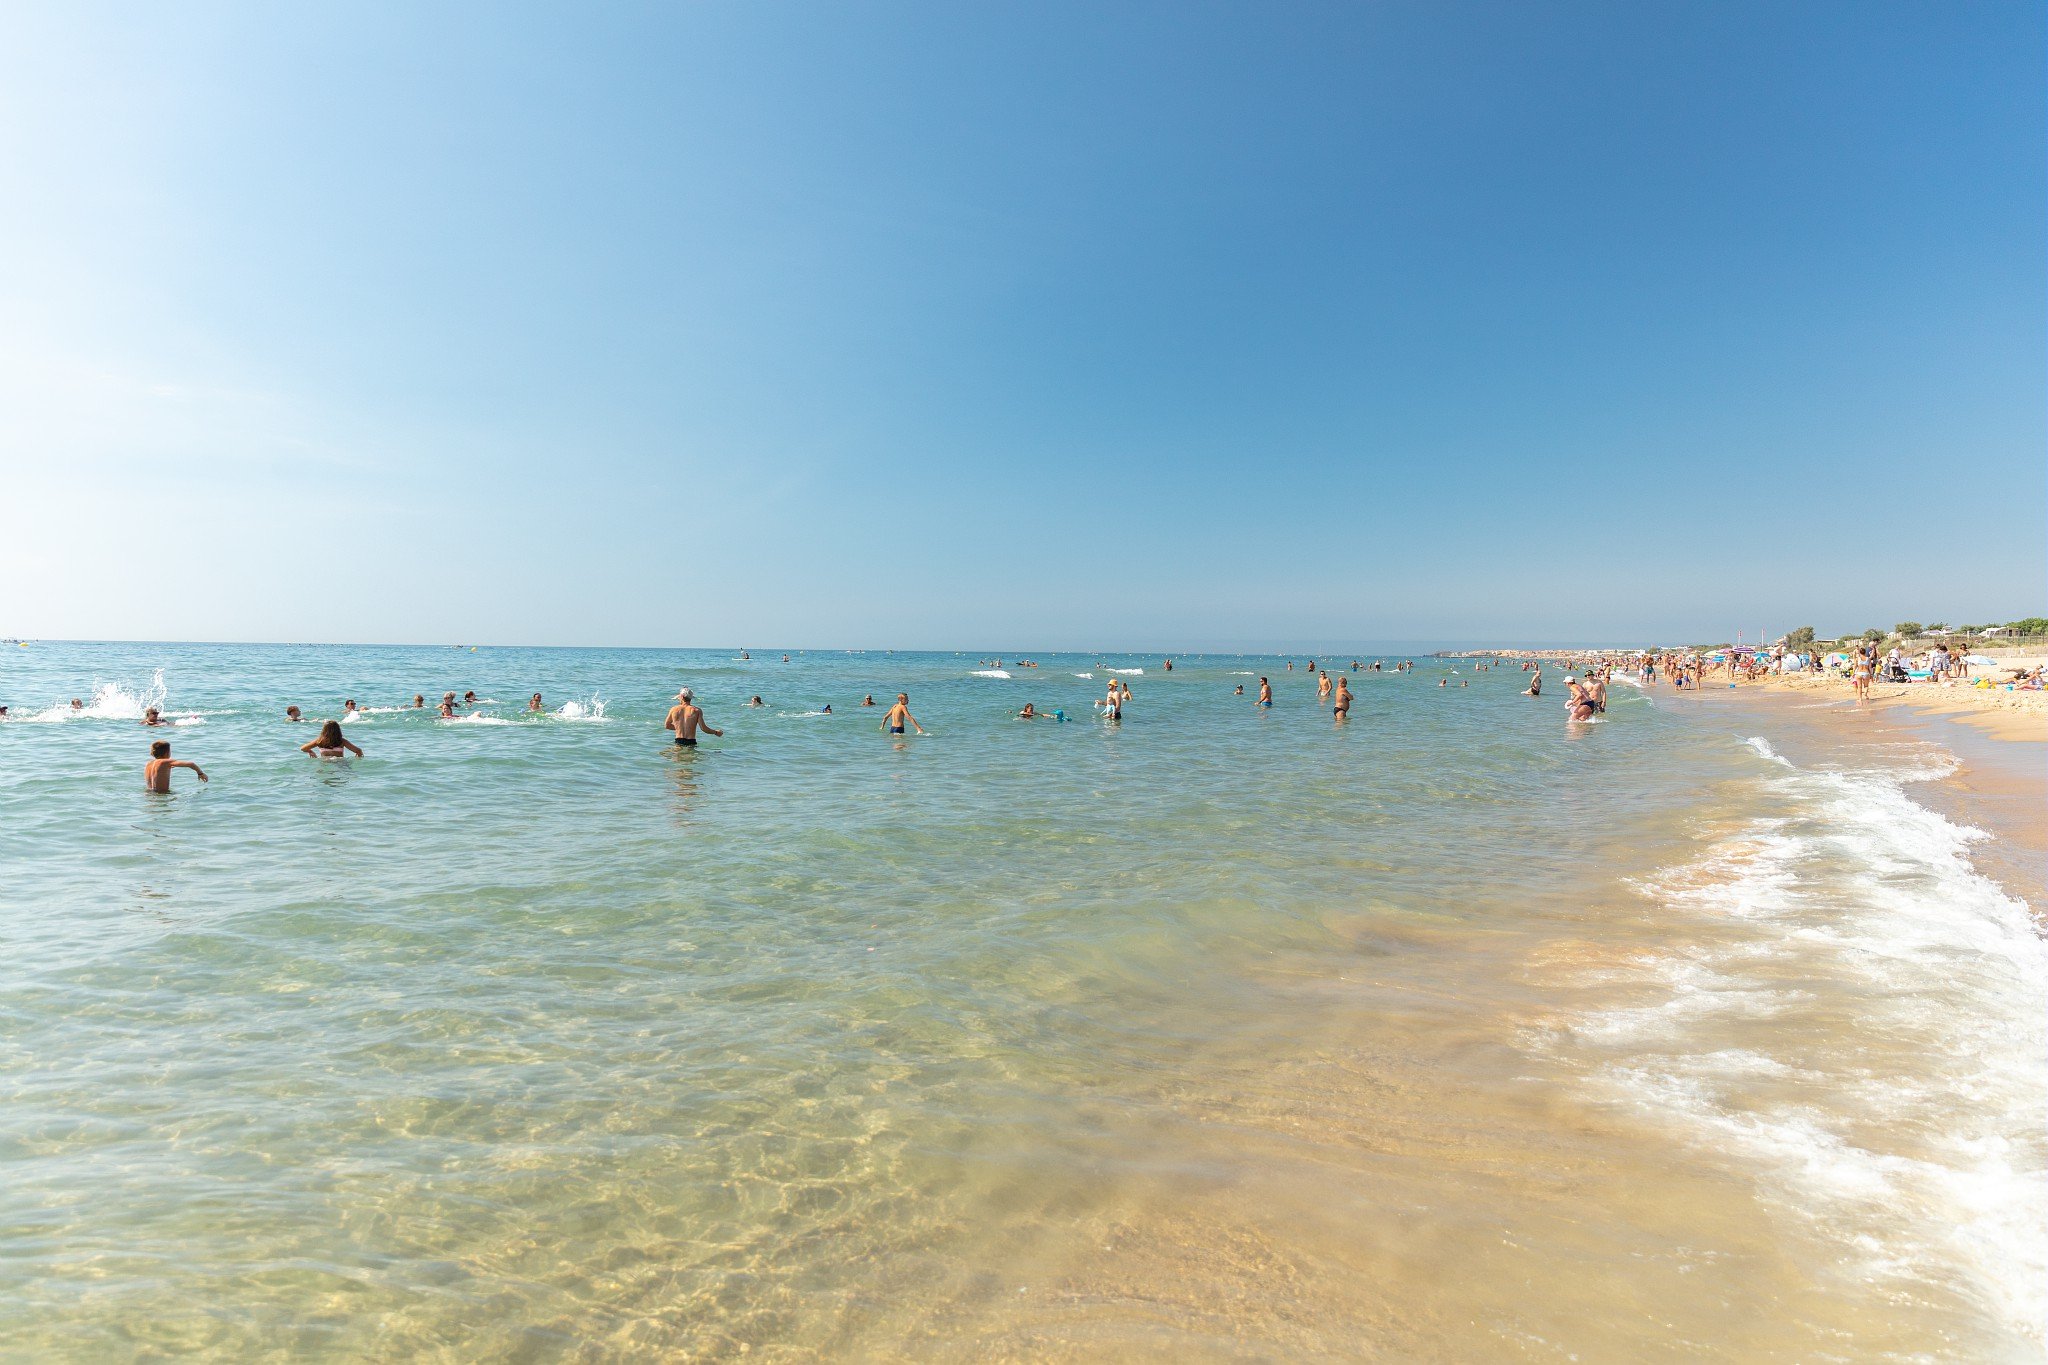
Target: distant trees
[1873, 635]
[1906, 630]
[1801, 637]
[2032, 625]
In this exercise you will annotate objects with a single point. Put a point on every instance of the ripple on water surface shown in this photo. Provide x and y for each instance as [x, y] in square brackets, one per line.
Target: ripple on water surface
[1211, 1031]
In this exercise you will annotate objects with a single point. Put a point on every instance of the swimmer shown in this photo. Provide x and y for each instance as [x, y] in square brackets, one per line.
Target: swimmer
[329, 743]
[1265, 693]
[419, 701]
[535, 705]
[828, 709]
[1535, 685]
[1239, 692]
[868, 700]
[1113, 705]
[1167, 666]
[77, 705]
[1341, 705]
[348, 706]
[291, 714]
[1443, 682]
[1323, 687]
[1028, 713]
[755, 700]
[685, 720]
[469, 699]
[153, 717]
[1579, 703]
[156, 774]
[447, 711]
[899, 716]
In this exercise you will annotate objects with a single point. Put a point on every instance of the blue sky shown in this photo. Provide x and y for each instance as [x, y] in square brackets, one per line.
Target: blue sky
[1020, 326]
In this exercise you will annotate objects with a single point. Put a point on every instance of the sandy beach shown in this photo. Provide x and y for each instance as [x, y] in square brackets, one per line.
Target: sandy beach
[2009, 714]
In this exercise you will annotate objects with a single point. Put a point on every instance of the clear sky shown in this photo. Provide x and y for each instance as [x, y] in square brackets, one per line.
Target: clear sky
[1020, 325]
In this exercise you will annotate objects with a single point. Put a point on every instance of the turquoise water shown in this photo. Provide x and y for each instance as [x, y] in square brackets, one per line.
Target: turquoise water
[1213, 1033]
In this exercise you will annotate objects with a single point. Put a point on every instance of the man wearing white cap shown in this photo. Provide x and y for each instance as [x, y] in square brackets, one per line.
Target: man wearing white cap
[1578, 702]
[685, 719]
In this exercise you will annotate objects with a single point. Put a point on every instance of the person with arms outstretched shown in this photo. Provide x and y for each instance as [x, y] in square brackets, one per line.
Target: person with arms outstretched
[156, 774]
[685, 719]
[329, 743]
[899, 716]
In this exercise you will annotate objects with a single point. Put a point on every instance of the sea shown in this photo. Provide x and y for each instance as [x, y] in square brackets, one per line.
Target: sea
[1450, 1031]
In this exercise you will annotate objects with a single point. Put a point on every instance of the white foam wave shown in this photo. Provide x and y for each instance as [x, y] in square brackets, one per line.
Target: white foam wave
[989, 673]
[474, 718]
[110, 701]
[1764, 749]
[1084, 675]
[1132, 672]
[1851, 947]
[591, 711]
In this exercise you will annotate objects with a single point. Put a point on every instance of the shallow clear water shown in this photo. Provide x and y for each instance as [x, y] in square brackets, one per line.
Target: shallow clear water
[1217, 1033]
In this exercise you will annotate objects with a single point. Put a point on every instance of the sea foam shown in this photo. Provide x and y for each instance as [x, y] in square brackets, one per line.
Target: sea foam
[1915, 1139]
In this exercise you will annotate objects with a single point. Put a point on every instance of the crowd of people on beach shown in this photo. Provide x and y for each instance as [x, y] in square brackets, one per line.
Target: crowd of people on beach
[1861, 665]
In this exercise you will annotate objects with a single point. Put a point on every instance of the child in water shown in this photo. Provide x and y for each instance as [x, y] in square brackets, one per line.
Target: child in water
[156, 774]
[329, 743]
[899, 715]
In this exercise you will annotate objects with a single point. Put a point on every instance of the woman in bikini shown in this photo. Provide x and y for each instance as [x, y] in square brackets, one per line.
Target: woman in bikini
[329, 743]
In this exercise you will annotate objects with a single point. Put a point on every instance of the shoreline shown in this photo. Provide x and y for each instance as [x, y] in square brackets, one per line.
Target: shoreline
[2000, 783]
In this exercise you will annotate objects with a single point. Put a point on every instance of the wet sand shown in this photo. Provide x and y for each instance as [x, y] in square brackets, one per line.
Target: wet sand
[2000, 785]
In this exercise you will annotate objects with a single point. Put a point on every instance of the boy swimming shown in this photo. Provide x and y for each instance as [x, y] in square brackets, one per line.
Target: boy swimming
[899, 715]
[156, 774]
